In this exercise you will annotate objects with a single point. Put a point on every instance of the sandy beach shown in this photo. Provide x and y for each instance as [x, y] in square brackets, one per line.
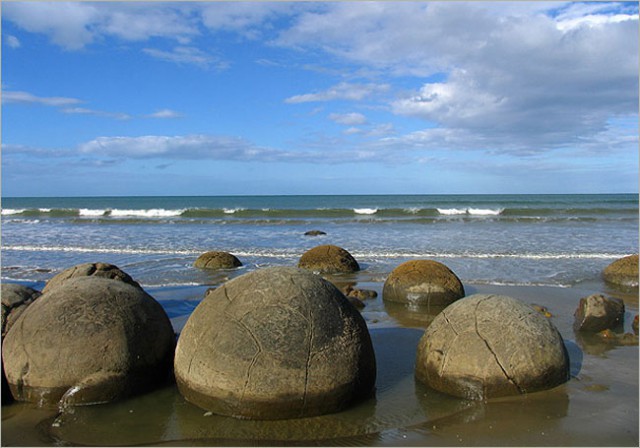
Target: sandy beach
[597, 407]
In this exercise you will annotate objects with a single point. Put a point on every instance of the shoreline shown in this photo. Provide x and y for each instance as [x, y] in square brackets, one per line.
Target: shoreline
[597, 407]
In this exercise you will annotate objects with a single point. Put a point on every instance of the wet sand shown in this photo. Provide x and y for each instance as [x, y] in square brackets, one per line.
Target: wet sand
[597, 407]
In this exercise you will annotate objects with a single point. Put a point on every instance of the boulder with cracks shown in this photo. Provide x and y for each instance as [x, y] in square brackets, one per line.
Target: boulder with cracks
[486, 346]
[272, 344]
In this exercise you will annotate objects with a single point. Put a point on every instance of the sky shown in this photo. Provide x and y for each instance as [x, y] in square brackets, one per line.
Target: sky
[240, 98]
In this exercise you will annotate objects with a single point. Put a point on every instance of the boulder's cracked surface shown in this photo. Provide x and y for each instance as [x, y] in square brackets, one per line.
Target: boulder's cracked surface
[275, 343]
[89, 340]
[486, 346]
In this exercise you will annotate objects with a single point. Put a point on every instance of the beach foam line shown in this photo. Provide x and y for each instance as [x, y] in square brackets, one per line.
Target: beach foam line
[294, 253]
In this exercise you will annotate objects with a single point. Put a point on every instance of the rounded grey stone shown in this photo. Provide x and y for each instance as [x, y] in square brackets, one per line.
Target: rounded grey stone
[275, 343]
[486, 346]
[89, 340]
[217, 260]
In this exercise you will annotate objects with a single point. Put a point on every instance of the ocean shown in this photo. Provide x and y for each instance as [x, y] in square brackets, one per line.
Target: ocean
[539, 240]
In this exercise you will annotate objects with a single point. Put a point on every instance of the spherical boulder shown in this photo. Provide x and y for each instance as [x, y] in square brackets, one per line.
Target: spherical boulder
[15, 299]
[623, 272]
[272, 344]
[89, 340]
[217, 260]
[101, 270]
[422, 283]
[328, 259]
[486, 346]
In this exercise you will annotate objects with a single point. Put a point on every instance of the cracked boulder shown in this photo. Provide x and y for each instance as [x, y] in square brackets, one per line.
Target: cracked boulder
[101, 270]
[623, 272]
[486, 346]
[90, 340]
[272, 344]
[217, 260]
[328, 259]
[422, 283]
[597, 312]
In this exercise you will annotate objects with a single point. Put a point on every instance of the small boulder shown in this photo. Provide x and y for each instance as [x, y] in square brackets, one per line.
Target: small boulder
[328, 259]
[90, 340]
[486, 346]
[314, 233]
[357, 293]
[101, 270]
[597, 312]
[15, 299]
[217, 260]
[275, 343]
[623, 272]
[423, 283]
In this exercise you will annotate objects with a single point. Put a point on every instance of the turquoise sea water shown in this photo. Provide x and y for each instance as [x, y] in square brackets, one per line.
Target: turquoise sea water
[557, 240]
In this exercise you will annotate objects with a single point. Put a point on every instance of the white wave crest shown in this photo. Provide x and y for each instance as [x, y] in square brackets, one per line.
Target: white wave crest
[470, 211]
[12, 211]
[365, 211]
[484, 211]
[150, 213]
[91, 212]
[452, 211]
[412, 210]
[230, 211]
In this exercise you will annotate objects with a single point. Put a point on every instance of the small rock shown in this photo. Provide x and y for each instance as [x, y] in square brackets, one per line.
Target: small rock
[217, 260]
[314, 233]
[597, 312]
[328, 259]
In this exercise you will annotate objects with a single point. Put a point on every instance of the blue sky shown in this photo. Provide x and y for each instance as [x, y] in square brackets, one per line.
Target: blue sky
[219, 98]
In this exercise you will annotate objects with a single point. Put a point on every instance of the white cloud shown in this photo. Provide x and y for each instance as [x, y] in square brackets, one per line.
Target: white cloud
[74, 25]
[99, 113]
[12, 41]
[187, 55]
[349, 119]
[26, 97]
[341, 91]
[165, 113]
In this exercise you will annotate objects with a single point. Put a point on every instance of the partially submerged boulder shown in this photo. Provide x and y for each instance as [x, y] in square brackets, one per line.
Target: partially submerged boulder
[424, 283]
[217, 260]
[275, 343]
[90, 340]
[328, 259]
[314, 233]
[597, 312]
[15, 299]
[486, 346]
[623, 272]
[101, 270]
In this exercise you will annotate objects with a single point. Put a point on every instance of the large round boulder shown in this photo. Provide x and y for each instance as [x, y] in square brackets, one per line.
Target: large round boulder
[486, 346]
[89, 340]
[328, 259]
[217, 260]
[623, 272]
[15, 299]
[275, 343]
[101, 270]
[423, 283]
